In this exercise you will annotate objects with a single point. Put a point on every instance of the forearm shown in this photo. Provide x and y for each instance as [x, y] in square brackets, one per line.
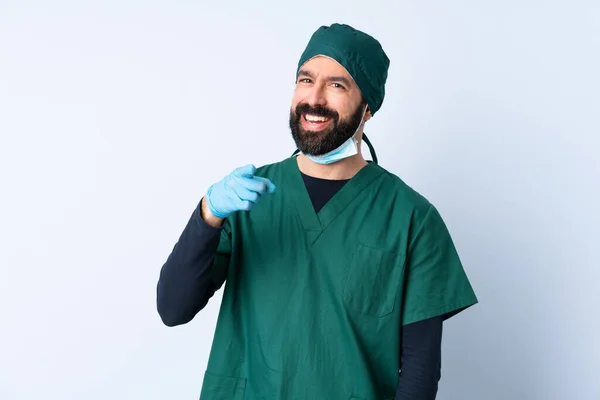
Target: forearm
[184, 287]
[421, 360]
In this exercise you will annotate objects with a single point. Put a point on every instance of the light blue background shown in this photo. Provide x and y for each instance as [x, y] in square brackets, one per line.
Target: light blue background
[116, 117]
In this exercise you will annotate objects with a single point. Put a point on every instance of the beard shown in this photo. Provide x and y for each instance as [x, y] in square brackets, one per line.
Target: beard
[317, 143]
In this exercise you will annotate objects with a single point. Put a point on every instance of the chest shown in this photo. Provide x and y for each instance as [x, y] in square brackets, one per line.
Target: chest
[341, 258]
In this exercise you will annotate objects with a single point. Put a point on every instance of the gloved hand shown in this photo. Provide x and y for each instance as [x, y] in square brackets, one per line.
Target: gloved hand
[240, 190]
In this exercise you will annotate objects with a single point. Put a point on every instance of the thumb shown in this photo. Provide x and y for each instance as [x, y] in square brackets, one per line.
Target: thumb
[270, 185]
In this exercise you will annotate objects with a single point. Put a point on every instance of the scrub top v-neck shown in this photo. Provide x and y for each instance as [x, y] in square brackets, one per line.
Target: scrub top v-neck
[320, 190]
[315, 223]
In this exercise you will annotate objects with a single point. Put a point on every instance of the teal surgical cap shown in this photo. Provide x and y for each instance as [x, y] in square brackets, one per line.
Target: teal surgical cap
[361, 55]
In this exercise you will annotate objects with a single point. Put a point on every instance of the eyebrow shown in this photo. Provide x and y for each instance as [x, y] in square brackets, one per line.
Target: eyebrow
[340, 79]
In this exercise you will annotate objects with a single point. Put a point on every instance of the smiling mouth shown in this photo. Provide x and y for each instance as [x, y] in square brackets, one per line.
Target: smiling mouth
[315, 122]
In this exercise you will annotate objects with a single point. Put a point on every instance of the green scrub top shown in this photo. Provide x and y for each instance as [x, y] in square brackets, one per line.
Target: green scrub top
[314, 302]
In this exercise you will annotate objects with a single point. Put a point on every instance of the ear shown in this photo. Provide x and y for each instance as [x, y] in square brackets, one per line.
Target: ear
[368, 114]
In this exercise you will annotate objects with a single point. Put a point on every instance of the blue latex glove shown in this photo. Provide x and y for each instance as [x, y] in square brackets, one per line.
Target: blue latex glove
[240, 190]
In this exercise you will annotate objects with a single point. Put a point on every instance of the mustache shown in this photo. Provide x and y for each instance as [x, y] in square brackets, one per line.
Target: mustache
[319, 110]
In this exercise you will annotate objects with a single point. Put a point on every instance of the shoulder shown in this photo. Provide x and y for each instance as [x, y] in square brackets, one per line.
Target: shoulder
[422, 216]
[409, 208]
[403, 196]
[273, 169]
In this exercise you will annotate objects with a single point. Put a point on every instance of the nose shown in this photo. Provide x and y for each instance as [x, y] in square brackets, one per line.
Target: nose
[316, 97]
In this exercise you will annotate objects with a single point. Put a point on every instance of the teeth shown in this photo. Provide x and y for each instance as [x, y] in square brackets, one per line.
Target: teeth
[315, 118]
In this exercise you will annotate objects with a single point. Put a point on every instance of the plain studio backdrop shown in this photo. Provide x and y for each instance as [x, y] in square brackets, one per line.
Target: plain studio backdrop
[116, 117]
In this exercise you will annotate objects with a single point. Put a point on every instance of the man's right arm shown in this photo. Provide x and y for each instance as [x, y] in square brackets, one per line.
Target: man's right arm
[184, 286]
[186, 281]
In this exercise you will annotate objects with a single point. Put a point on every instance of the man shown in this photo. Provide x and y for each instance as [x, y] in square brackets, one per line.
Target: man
[339, 275]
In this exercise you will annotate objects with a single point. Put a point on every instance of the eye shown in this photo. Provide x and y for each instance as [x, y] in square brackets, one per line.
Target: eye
[338, 86]
[304, 80]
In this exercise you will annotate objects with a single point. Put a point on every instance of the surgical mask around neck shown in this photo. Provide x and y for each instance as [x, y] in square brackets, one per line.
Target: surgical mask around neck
[348, 149]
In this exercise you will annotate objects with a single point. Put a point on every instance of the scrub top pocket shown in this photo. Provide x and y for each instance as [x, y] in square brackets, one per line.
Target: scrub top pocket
[372, 282]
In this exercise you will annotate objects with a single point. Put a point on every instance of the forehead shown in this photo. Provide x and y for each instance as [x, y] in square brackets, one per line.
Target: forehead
[322, 66]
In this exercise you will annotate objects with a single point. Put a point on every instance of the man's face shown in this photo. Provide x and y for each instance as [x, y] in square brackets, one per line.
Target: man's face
[326, 107]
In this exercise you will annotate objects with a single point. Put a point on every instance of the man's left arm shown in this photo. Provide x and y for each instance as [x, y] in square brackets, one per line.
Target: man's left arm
[435, 289]
[420, 360]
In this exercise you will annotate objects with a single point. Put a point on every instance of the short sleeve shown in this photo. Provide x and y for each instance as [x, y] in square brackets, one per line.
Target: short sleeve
[436, 282]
